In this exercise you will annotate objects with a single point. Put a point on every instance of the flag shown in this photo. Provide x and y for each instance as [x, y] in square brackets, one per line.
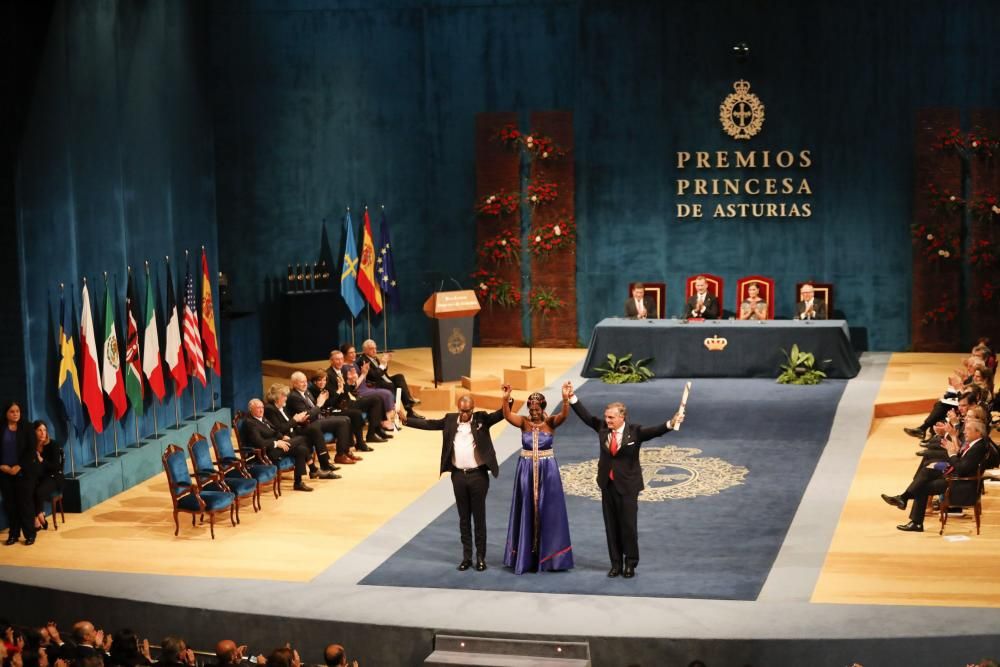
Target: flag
[349, 274]
[111, 375]
[192, 339]
[385, 268]
[172, 355]
[93, 394]
[151, 365]
[208, 336]
[134, 388]
[69, 378]
[366, 272]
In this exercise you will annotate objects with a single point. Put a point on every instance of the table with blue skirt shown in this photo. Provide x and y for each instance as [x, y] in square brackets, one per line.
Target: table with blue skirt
[722, 348]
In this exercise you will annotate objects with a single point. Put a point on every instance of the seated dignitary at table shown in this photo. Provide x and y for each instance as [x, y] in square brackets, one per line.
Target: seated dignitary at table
[331, 402]
[379, 375]
[962, 461]
[378, 423]
[753, 307]
[810, 307]
[702, 304]
[299, 400]
[259, 433]
[290, 423]
[639, 306]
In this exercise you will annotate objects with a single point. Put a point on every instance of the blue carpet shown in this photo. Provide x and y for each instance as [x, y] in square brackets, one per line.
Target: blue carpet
[759, 444]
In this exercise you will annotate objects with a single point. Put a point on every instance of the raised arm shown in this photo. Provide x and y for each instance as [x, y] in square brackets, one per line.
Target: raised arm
[650, 432]
[558, 418]
[581, 412]
[515, 420]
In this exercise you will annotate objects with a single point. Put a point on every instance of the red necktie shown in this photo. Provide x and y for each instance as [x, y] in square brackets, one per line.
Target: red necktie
[613, 446]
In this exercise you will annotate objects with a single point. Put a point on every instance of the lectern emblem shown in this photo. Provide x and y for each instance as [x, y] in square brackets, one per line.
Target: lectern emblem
[741, 113]
[456, 342]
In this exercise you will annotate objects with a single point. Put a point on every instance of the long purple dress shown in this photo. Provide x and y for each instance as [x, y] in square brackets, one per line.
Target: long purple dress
[542, 544]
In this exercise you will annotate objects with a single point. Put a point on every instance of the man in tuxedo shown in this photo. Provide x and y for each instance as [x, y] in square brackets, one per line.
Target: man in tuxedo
[260, 434]
[701, 304]
[619, 476]
[349, 398]
[378, 374]
[963, 461]
[639, 306]
[300, 400]
[467, 453]
[290, 423]
[809, 307]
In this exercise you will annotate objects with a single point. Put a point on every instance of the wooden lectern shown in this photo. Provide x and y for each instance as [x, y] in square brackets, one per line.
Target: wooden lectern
[452, 314]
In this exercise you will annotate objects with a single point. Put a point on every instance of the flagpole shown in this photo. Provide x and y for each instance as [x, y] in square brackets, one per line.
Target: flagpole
[368, 317]
[72, 459]
[113, 429]
[177, 410]
[97, 460]
[135, 419]
[385, 299]
[156, 428]
[352, 329]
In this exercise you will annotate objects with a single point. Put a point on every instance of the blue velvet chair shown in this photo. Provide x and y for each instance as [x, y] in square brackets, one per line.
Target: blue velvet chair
[284, 464]
[208, 476]
[188, 496]
[249, 461]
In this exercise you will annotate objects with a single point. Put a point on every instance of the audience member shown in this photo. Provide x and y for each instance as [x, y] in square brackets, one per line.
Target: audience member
[379, 374]
[128, 650]
[336, 656]
[639, 306]
[296, 424]
[260, 434]
[284, 657]
[366, 387]
[50, 472]
[174, 652]
[338, 426]
[333, 403]
[809, 306]
[702, 304]
[336, 373]
[753, 307]
[956, 382]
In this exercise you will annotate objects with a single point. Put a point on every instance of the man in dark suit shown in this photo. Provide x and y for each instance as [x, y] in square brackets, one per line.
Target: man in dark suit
[258, 433]
[378, 374]
[639, 306]
[290, 423]
[467, 453]
[809, 307]
[300, 400]
[619, 475]
[963, 461]
[701, 304]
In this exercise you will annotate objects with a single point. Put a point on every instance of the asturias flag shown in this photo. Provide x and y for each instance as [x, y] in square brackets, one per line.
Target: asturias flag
[208, 336]
[134, 388]
[366, 272]
[93, 394]
[151, 365]
[349, 273]
[114, 384]
[172, 355]
[69, 378]
[385, 267]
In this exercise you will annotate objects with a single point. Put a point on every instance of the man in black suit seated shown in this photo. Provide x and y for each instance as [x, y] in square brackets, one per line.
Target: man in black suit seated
[701, 304]
[378, 374]
[619, 476]
[260, 434]
[339, 371]
[809, 306]
[331, 402]
[291, 423]
[467, 453]
[963, 461]
[300, 400]
[639, 306]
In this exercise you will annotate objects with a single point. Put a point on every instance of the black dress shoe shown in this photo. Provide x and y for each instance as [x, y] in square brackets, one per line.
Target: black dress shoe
[464, 565]
[325, 474]
[411, 413]
[414, 401]
[10, 541]
[629, 571]
[28, 542]
[362, 447]
[614, 571]
[302, 486]
[375, 437]
[910, 527]
[895, 501]
[915, 432]
[480, 564]
[384, 434]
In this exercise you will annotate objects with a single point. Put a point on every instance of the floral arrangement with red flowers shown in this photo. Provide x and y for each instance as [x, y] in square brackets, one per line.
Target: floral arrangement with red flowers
[981, 254]
[499, 203]
[509, 135]
[504, 248]
[536, 145]
[951, 139]
[936, 244]
[944, 313]
[543, 300]
[982, 144]
[495, 290]
[985, 207]
[542, 192]
[553, 236]
[987, 291]
[943, 200]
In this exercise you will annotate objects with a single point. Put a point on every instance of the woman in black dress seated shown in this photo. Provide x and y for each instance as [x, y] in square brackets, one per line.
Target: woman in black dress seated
[50, 471]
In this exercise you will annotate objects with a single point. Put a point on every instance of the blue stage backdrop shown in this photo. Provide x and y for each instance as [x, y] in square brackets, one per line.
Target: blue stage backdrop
[330, 103]
[115, 167]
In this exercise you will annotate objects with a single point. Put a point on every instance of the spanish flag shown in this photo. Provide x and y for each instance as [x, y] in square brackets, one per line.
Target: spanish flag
[366, 275]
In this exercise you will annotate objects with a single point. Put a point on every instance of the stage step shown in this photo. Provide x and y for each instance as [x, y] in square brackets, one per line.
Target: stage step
[495, 652]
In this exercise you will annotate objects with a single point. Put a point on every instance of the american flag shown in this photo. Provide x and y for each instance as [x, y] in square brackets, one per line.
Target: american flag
[192, 338]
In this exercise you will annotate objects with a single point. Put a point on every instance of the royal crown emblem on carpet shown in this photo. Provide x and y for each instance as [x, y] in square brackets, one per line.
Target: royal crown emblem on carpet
[670, 473]
[741, 113]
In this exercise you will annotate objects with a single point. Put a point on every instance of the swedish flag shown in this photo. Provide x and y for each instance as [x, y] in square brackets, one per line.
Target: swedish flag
[69, 379]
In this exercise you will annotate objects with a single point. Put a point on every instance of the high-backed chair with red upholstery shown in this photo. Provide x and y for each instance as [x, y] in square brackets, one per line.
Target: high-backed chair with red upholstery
[658, 292]
[715, 285]
[765, 291]
[822, 291]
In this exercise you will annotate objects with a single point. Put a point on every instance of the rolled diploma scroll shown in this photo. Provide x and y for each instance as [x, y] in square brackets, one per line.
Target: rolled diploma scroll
[684, 401]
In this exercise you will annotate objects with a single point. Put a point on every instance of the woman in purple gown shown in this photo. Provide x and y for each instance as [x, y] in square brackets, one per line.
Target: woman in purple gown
[538, 530]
